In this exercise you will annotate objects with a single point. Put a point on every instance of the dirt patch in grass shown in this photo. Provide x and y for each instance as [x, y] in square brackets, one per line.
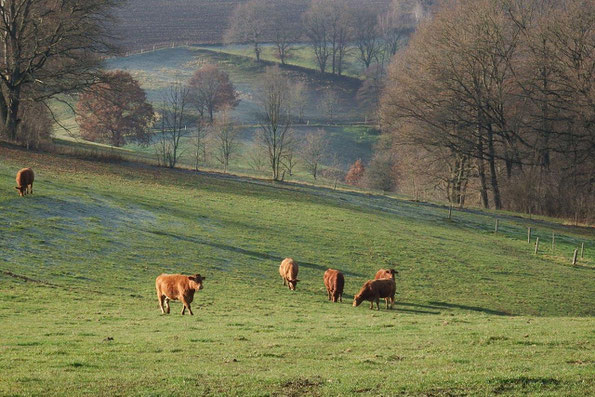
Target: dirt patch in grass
[300, 387]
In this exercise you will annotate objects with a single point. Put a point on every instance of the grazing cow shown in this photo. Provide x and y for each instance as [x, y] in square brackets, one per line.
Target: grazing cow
[386, 273]
[289, 271]
[373, 290]
[334, 282]
[25, 179]
[177, 287]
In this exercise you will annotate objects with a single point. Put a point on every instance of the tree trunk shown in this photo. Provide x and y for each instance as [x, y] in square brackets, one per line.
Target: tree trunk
[492, 163]
[11, 121]
[482, 175]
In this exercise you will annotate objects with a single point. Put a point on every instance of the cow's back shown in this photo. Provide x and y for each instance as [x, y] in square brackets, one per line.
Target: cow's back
[171, 285]
[385, 287]
[25, 177]
[288, 269]
[334, 280]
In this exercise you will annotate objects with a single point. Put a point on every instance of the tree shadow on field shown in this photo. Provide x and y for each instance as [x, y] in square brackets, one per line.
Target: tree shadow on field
[415, 310]
[445, 305]
[255, 254]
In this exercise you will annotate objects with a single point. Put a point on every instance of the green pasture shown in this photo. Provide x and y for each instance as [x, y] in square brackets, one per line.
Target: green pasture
[477, 312]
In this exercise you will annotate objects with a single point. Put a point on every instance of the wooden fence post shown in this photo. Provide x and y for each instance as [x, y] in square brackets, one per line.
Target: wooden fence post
[574, 256]
[582, 249]
[536, 245]
[528, 234]
[496, 227]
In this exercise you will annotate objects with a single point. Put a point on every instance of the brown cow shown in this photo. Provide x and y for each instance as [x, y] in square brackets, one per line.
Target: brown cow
[386, 273]
[289, 271]
[334, 282]
[177, 287]
[25, 179]
[373, 290]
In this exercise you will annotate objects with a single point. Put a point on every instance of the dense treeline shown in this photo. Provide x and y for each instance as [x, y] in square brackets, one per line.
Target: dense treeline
[496, 97]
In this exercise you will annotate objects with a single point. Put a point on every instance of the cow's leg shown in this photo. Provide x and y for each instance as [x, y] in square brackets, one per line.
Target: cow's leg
[392, 301]
[377, 303]
[372, 304]
[166, 299]
[341, 298]
[31, 188]
[186, 306]
[160, 298]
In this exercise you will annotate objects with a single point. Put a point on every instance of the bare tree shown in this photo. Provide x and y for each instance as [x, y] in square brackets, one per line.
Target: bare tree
[199, 142]
[289, 161]
[48, 48]
[248, 24]
[274, 118]
[366, 35]
[225, 133]
[284, 31]
[313, 150]
[173, 124]
[317, 30]
[327, 24]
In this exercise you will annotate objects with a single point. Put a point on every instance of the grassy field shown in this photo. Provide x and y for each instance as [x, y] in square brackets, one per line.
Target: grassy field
[476, 312]
[300, 55]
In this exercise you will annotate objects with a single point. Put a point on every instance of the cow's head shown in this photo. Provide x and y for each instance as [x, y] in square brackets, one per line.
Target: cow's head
[197, 279]
[293, 284]
[357, 300]
[393, 273]
[21, 189]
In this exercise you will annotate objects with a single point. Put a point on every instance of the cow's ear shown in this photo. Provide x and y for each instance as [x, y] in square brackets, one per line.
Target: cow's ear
[191, 278]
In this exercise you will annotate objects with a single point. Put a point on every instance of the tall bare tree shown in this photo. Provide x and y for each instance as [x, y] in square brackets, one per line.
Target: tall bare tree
[225, 133]
[313, 150]
[274, 118]
[48, 48]
[327, 24]
[366, 35]
[174, 121]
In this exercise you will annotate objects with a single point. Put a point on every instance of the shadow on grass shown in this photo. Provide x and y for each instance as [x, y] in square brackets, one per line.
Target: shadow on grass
[255, 254]
[445, 305]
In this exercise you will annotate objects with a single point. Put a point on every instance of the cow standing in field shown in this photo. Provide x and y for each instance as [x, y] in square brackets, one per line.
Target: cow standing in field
[25, 179]
[177, 287]
[386, 273]
[334, 283]
[289, 271]
[373, 290]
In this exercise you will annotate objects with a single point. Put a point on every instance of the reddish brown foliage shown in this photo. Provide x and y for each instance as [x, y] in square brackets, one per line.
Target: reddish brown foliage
[211, 90]
[115, 110]
[355, 173]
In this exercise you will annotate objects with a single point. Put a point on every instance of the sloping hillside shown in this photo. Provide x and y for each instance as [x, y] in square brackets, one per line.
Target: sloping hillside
[476, 312]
